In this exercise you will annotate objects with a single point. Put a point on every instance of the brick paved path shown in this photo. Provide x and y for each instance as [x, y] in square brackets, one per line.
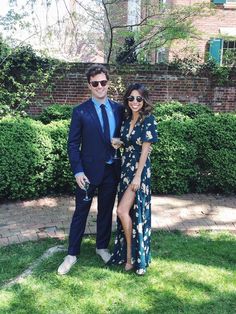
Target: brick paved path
[50, 217]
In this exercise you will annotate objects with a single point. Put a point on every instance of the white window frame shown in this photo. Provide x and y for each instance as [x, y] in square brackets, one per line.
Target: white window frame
[161, 55]
[225, 49]
[230, 4]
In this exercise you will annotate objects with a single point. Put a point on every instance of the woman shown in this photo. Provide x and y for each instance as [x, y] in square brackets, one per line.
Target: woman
[138, 131]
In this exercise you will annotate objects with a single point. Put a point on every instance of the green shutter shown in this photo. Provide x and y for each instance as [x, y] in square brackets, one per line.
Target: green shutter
[219, 1]
[215, 49]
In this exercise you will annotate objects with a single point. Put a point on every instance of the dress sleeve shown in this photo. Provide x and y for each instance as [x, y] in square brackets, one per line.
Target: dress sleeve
[149, 133]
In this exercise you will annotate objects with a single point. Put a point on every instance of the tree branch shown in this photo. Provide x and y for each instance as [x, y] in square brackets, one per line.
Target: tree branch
[111, 32]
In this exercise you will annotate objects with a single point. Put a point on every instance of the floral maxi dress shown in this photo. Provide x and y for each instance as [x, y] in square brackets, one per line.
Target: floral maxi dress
[145, 131]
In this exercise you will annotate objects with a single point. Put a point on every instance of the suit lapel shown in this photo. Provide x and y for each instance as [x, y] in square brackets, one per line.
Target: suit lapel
[93, 113]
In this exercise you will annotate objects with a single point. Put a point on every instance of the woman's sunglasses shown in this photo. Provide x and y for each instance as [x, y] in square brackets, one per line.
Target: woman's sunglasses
[132, 98]
[95, 83]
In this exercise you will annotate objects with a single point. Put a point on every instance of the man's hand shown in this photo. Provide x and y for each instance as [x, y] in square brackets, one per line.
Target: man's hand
[81, 179]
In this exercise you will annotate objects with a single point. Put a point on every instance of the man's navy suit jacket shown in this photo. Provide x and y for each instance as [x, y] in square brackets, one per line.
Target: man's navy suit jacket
[86, 142]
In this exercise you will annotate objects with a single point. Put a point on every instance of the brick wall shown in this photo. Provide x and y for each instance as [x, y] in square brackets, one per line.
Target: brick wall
[164, 85]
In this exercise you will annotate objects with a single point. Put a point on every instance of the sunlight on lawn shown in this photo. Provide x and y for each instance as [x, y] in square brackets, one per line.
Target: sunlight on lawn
[182, 278]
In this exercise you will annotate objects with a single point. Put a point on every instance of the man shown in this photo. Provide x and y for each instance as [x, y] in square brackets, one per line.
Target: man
[93, 124]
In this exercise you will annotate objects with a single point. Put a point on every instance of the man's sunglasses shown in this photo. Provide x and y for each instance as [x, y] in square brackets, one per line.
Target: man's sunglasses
[132, 98]
[95, 83]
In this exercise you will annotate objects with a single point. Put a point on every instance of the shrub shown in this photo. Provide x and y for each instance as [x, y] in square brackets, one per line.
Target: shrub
[25, 160]
[173, 158]
[178, 111]
[193, 155]
[33, 160]
[7, 111]
[216, 152]
[22, 73]
[55, 113]
[62, 181]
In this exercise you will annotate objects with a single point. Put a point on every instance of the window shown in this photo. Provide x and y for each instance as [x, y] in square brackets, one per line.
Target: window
[162, 2]
[134, 12]
[223, 51]
[224, 1]
[226, 4]
[229, 52]
[161, 55]
[219, 1]
[230, 4]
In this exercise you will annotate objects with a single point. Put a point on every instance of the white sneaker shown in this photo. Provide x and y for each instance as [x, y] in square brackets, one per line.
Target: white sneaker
[141, 272]
[68, 262]
[104, 253]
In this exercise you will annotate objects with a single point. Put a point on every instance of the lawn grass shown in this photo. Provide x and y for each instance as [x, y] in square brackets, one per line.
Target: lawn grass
[188, 274]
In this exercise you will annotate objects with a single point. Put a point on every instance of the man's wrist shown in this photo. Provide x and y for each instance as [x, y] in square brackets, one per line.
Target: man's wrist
[78, 174]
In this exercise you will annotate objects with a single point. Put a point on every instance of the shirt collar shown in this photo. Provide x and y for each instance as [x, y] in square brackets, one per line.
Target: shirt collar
[98, 104]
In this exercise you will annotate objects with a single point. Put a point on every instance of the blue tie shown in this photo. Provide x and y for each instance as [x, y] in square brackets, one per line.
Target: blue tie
[106, 127]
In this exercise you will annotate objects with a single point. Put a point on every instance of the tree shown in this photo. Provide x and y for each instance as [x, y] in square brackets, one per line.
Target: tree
[58, 28]
[87, 28]
[22, 72]
[127, 53]
[155, 26]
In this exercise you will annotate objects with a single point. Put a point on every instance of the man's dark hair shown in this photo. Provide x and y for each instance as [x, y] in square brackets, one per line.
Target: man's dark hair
[96, 69]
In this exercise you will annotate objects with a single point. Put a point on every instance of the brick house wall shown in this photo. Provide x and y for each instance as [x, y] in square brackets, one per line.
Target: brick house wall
[209, 27]
[164, 85]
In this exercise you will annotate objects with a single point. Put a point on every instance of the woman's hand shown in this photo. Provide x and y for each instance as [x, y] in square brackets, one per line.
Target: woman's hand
[116, 142]
[136, 182]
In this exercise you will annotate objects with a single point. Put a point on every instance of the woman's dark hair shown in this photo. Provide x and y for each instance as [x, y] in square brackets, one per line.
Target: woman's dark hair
[147, 106]
[96, 69]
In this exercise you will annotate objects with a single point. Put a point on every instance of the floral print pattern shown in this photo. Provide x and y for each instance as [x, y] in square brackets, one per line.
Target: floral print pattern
[145, 131]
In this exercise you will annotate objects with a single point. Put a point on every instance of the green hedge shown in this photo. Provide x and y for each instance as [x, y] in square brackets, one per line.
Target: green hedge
[33, 159]
[196, 155]
[173, 158]
[193, 155]
[63, 180]
[26, 158]
[215, 139]
[177, 111]
[55, 112]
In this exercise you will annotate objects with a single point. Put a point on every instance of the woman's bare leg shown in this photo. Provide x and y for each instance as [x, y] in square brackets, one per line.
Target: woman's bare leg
[123, 210]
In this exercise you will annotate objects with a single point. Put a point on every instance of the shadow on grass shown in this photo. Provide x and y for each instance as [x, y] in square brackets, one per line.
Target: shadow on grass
[168, 302]
[15, 258]
[209, 249]
[158, 300]
[24, 301]
[90, 284]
